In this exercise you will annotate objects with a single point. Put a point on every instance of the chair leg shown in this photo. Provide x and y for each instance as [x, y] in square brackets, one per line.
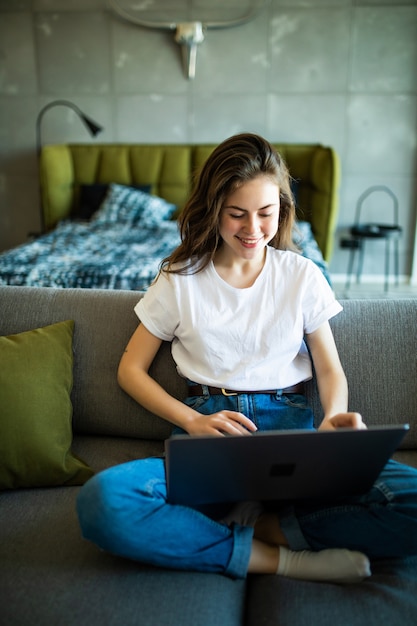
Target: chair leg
[350, 267]
[387, 262]
[360, 264]
[397, 262]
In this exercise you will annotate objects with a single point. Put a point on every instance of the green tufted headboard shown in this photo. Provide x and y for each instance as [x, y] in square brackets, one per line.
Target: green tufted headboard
[170, 169]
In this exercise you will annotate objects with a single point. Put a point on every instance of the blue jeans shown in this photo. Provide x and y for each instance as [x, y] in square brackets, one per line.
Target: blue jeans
[124, 509]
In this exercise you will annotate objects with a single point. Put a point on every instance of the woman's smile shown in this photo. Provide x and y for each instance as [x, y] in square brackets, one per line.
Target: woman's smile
[249, 242]
[249, 219]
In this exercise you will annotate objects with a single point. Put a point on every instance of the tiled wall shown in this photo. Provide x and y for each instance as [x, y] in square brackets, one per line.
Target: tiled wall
[339, 72]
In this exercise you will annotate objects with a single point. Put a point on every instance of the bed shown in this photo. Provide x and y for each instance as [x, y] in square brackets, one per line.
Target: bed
[109, 212]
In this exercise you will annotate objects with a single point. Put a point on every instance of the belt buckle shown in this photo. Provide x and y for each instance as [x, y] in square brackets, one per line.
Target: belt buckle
[226, 393]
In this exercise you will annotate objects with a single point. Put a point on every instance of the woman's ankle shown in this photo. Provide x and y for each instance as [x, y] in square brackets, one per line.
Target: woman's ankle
[264, 558]
[268, 530]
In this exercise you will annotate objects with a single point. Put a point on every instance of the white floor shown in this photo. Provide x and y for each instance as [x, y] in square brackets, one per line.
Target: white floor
[367, 289]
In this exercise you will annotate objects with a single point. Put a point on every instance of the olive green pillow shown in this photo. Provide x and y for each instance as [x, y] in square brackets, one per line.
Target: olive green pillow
[36, 410]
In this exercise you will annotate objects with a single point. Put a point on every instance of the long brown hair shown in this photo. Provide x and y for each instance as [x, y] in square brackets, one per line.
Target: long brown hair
[235, 161]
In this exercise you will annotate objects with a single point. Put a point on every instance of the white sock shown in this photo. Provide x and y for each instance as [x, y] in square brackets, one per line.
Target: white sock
[333, 565]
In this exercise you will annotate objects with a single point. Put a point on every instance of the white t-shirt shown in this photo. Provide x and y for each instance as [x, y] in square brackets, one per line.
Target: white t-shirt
[241, 339]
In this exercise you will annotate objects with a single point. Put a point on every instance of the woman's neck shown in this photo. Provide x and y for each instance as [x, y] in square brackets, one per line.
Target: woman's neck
[239, 273]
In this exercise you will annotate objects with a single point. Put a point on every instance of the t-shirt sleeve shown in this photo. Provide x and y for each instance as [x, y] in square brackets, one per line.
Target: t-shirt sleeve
[158, 310]
[319, 302]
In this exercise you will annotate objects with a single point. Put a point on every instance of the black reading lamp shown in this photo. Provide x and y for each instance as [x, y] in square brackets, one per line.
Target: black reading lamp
[92, 127]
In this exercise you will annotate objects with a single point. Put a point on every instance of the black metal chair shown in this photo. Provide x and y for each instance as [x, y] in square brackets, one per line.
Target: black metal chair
[361, 231]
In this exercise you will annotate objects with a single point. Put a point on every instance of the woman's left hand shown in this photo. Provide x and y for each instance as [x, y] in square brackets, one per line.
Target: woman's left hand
[343, 420]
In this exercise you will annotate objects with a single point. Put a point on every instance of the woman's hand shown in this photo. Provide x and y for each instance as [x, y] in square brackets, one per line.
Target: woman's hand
[220, 424]
[343, 420]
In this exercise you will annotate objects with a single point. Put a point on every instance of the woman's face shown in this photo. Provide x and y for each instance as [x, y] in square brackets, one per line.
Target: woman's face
[249, 218]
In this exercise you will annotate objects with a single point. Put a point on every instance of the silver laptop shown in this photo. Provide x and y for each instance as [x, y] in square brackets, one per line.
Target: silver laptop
[277, 465]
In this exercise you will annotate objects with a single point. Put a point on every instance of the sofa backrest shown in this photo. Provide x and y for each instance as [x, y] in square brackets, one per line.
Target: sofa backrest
[170, 171]
[104, 322]
[377, 342]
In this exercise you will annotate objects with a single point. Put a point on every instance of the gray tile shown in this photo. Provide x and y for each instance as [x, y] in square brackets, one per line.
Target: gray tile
[309, 50]
[234, 60]
[386, 2]
[311, 119]
[160, 11]
[18, 5]
[183, 10]
[25, 218]
[61, 124]
[381, 134]
[64, 5]
[146, 60]
[216, 117]
[17, 135]
[311, 4]
[387, 62]
[219, 11]
[153, 118]
[218, 5]
[17, 55]
[73, 53]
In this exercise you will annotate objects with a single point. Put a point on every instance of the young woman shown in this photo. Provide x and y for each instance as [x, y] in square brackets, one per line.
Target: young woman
[240, 308]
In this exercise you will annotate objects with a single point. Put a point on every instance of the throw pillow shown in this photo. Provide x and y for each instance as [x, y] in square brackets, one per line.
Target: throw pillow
[133, 207]
[36, 410]
[92, 196]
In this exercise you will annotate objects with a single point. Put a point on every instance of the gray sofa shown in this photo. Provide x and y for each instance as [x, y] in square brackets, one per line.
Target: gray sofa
[50, 576]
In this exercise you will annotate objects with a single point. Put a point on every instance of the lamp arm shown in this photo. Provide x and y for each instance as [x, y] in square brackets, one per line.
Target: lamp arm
[91, 125]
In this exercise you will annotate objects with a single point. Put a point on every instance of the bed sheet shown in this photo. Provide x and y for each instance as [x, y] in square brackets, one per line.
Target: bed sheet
[90, 255]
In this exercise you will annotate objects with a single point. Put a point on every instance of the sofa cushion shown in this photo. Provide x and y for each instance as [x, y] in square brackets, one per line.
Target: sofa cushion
[36, 410]
[51, 576]
[387, 597]
[102, 452]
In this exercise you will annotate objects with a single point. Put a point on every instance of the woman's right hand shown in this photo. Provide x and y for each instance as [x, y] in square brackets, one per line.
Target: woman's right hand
[133, 377]
[220, 424]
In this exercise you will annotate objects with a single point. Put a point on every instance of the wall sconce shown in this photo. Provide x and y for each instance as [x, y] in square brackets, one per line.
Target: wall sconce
[188, 34]
[92, 127]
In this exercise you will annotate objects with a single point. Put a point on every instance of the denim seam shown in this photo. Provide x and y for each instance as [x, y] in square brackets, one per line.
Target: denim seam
[384, 489]
[330, 512]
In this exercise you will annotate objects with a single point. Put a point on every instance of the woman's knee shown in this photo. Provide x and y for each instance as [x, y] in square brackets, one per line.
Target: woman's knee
[109, 502]
[398, 483]
[96, 513]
